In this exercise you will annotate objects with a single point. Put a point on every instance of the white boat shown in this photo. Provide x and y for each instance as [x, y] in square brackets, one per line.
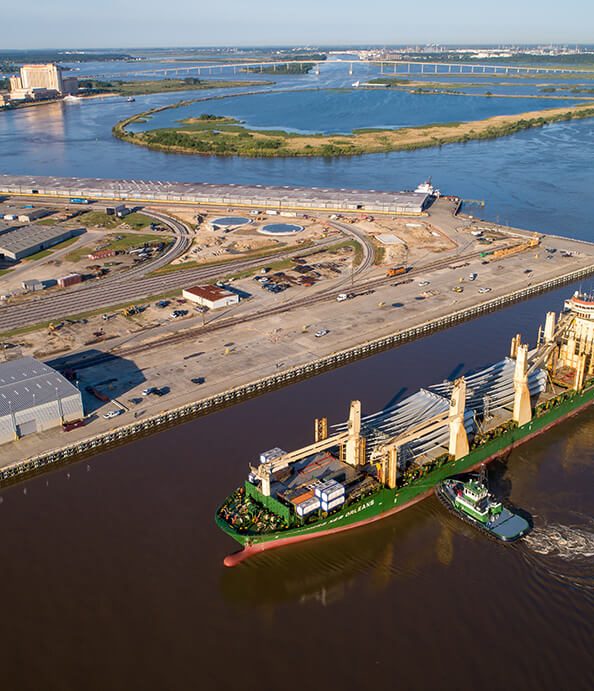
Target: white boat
[427, 188]
[71, 99]
[356, 84]
[130, 99]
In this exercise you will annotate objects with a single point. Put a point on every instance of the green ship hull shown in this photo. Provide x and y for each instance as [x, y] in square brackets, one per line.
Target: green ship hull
[386, 502]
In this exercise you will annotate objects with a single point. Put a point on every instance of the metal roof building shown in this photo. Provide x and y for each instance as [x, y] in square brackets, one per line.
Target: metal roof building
[209, 296]
[22, 242]
[253, 196]
[33, 398]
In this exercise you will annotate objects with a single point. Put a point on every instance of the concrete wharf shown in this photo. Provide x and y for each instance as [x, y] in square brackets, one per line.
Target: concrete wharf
[12, 470]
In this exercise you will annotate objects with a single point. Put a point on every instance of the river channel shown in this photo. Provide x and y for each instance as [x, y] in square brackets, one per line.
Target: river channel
[112, 566]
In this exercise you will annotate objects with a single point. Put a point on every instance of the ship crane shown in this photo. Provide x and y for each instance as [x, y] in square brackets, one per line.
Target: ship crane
[387, 453]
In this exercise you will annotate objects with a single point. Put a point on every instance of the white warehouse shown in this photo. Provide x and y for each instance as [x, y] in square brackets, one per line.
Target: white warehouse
[33, 398]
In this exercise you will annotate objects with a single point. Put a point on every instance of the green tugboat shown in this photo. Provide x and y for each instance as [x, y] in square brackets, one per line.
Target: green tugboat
[470, 500]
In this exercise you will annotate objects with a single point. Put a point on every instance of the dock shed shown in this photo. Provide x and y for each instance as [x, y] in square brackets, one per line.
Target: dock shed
[209, 296]
[22, 242]
[33, 398]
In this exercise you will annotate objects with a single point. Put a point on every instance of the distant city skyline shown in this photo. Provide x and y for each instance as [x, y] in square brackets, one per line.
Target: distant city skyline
[181, 23]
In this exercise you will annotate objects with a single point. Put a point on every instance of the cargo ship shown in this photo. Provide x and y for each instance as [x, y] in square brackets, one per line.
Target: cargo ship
[374, 466]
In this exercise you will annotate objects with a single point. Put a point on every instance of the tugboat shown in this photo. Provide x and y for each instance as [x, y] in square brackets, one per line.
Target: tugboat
[471, 501]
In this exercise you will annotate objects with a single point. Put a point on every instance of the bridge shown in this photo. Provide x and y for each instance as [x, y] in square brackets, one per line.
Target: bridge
[409, 67]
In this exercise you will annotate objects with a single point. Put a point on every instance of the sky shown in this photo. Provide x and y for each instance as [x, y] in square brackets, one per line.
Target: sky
[156, 23]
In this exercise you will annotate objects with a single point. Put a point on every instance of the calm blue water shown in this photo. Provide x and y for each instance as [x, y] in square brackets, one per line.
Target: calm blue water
[343, 111]
[539, 179]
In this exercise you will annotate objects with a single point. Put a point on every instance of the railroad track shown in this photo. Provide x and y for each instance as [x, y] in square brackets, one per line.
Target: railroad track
[306, 301]
[120, 289]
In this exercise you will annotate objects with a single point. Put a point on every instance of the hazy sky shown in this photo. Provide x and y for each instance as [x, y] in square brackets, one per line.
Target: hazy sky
[144, 23]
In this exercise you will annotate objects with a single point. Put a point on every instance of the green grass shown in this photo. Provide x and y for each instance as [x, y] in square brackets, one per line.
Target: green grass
[4, 271]
[128, 241]
[159, 86]
[220, 136]
[135, 220]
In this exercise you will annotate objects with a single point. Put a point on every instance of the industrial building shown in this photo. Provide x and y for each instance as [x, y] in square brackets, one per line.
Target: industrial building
[34, 398]
[24, 215]
[212, 297]
[22, 242]
[279, 199]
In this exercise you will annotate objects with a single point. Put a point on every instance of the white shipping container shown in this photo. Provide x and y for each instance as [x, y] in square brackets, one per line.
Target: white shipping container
[328, 506]
[271, 454]
[332, 494]
[307, 506]
[326, 486]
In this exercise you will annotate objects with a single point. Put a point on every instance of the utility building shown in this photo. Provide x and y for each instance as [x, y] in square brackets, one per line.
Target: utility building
[33, 398]
[212, 297]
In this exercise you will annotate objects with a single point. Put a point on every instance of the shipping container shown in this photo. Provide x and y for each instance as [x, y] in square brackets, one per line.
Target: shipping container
[271, 454]
[329, 490]
[69, 280]
[330, 505]
[308, 506]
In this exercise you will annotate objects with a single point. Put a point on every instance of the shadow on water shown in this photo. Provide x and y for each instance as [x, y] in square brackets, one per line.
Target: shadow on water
[324, 570]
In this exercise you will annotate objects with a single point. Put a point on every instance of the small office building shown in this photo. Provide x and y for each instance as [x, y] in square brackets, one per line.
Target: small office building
[212, 297]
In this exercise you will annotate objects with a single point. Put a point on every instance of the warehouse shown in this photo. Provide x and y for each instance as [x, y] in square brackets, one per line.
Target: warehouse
[33, 398]
[279, 199]
[23, 242]
[212, 297]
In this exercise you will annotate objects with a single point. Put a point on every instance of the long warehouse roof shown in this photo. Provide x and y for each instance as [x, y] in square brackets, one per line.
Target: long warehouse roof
[26, 382]
[159, 189]
[22, 238]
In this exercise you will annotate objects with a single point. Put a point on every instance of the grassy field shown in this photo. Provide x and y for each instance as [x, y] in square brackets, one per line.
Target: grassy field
[122, 241]
[159, 86]
[209, 135]
[135, 220]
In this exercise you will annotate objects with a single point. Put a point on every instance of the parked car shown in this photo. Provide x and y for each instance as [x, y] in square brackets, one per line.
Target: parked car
[148, 391]
[198, 380]
[484, 290]
[321, 332]
[112, 413]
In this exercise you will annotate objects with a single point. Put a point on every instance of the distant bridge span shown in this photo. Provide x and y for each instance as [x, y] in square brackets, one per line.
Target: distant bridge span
[386, 67]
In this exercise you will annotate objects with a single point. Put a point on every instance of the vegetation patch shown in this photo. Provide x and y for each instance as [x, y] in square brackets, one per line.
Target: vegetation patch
[158, 86]
[100, 219]
[223, 136]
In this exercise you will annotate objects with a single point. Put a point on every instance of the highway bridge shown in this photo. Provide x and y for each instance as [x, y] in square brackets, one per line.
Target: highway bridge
[413, 67]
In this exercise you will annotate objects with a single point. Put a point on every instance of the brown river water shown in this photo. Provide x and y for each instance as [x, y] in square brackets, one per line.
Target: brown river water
[112, 569]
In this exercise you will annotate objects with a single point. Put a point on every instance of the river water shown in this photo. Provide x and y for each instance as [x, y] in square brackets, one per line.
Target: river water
[112, 567]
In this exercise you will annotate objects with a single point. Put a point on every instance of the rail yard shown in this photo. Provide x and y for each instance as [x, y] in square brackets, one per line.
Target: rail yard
[350, 276]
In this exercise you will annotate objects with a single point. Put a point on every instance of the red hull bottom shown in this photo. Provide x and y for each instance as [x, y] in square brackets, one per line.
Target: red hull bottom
[247, 552]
